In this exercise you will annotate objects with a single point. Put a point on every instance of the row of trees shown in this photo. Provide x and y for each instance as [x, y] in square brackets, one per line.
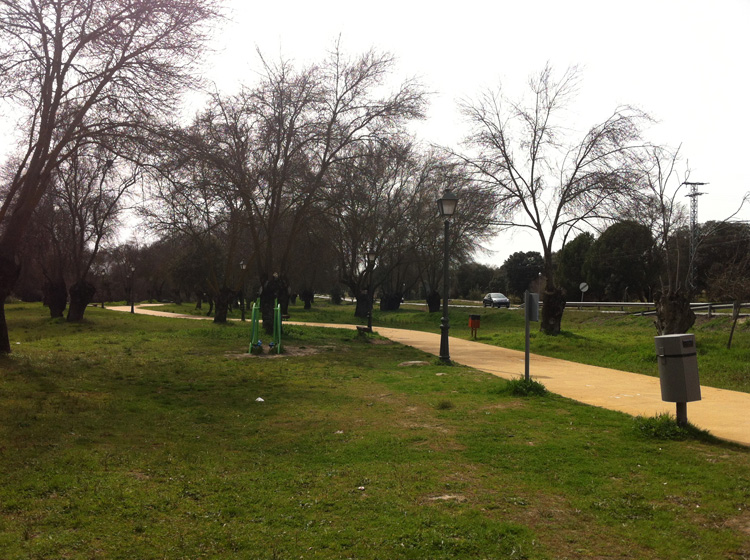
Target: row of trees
[299, 176]
[558, 185]
[284, 185]
[627, 263]
[83, 75]
[288, 183]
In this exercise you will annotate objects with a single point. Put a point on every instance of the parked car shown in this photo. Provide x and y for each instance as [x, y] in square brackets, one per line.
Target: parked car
[496, 300]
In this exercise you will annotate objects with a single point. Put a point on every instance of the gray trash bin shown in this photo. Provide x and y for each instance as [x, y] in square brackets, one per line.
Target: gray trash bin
[678, 371]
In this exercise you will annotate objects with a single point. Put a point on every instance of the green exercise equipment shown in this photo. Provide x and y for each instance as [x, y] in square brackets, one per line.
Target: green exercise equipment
[255, 342]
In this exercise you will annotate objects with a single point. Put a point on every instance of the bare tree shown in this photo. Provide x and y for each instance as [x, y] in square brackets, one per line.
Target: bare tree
[659, 206]
[74, 218]
[80, 71]
[89, 189]
[191, 200]
[385, 200]
[369, 211]
[272, 148]
[731, 282]
[545, 183]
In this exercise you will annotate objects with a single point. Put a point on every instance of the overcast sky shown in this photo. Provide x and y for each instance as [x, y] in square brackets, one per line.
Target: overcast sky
[684, 62]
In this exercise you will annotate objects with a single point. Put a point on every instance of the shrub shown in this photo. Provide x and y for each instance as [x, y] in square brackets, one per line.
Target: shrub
[475, 295]
[523, 388]
[665, 426]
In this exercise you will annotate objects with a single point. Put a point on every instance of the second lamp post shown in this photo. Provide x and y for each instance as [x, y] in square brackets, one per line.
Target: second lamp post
[447, 206]
[243, 266]
[130, 290]
[371, 256]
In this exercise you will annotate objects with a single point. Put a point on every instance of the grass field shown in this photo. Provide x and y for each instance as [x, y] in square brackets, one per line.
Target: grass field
[142, 437]
[624, 342]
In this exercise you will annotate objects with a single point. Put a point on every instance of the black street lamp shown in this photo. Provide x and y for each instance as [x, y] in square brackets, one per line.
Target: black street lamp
[447, 206]
[243, 266]
[132, 280]
[371, 256]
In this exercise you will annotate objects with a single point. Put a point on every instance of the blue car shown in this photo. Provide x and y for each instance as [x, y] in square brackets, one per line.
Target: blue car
[496, 300]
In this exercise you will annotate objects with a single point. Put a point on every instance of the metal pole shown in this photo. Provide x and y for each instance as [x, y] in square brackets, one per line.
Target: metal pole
[682, 414]
[445, 323]
[527, 301]
[371, 297]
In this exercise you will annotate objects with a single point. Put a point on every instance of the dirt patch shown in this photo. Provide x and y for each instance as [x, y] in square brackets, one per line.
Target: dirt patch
[381, 342]
[449, 498]
[741, 523]
[502, 406]
[288, 352]
[423, 426]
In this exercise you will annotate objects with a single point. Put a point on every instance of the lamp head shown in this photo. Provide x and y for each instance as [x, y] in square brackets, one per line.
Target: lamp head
[447, 204]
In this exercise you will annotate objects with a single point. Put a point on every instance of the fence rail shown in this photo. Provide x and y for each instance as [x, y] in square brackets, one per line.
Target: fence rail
[650, 308]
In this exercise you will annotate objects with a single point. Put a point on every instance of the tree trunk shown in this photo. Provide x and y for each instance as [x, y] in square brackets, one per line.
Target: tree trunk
[222, 304]
[272, 290]
[284, 297]
[673, 313]
[9, 271]
[433, 302]
[160, 291]
[363, 305]
[307, 296]
[223, 299]
[553, 307]
[81, 294]
[56, 297]
[391, 302]
[4, 338]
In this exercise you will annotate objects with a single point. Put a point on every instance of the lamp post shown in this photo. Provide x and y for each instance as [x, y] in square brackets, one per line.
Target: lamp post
[132, 300]
[243, 266]
[447, 206]
[371, 256]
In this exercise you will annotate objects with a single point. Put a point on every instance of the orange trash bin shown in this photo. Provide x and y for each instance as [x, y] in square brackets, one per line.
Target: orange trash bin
[474, 321]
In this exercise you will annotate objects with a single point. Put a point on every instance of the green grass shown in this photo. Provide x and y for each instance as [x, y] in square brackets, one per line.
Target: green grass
[139, 437]
[623, 342]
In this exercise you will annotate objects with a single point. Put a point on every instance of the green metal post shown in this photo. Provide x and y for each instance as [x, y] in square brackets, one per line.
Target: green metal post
[255, 325]
[277, 327]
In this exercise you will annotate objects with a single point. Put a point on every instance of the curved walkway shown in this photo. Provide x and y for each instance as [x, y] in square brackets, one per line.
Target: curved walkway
[726, 414]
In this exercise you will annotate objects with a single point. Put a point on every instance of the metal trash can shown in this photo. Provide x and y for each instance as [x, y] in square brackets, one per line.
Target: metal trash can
[678, 371]
[474, 321]
[474, 325]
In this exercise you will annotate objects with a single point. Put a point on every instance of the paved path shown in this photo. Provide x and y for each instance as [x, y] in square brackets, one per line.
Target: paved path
[726, 414]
